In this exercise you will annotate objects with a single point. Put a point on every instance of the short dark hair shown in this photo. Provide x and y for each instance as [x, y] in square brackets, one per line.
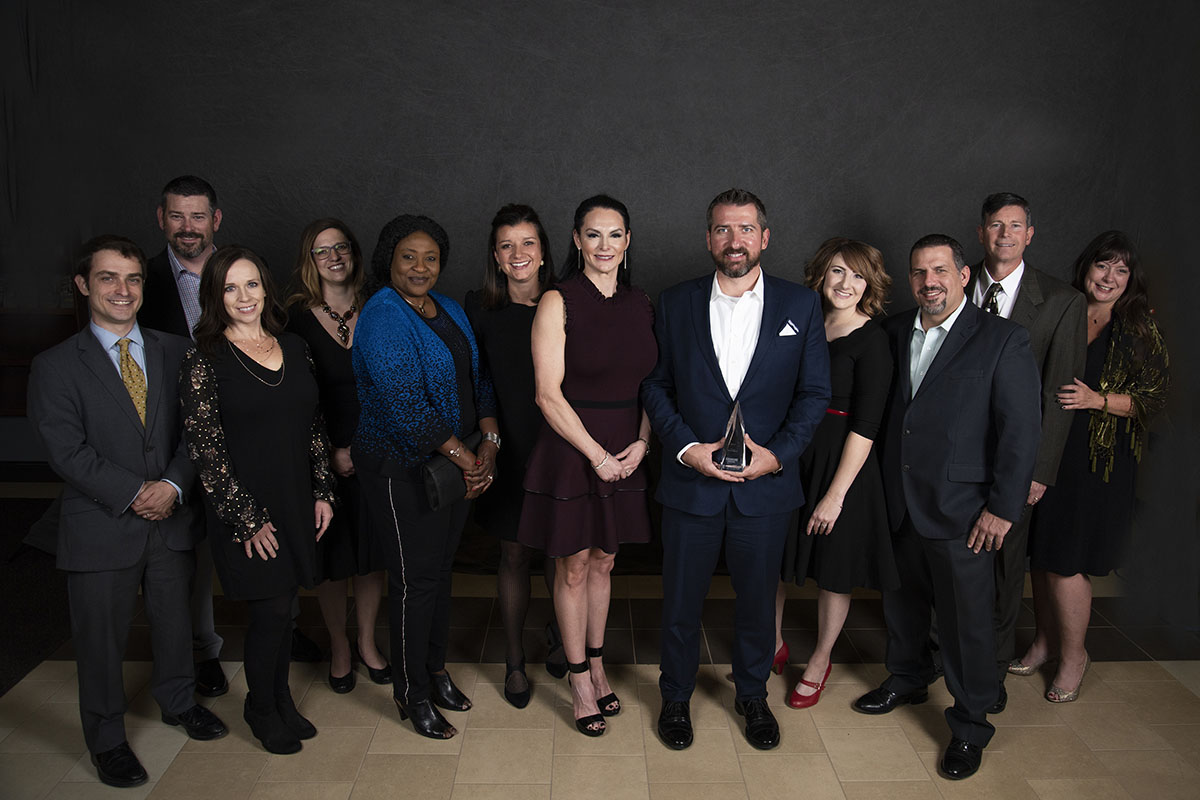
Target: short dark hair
[495, 282]
[400, 227]
[997, 201]
[737, 197]
[118, 244]
[189, 186]
[940, 240]
[574, 261]
[210, 329]
[306, 280]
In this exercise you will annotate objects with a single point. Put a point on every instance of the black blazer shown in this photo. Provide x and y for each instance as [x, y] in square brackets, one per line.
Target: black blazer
[1055, 314]
[96, 443]
[968, 439]
[161, 308]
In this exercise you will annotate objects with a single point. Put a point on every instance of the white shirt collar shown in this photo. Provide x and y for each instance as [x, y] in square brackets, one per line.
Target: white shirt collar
[947, 323]
[756, 289]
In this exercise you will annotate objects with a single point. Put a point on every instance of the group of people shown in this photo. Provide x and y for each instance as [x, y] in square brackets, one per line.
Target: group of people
[344, 437]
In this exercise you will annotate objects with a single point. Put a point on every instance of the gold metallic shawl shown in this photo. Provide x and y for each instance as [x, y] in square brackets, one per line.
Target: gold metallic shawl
[1140, 369]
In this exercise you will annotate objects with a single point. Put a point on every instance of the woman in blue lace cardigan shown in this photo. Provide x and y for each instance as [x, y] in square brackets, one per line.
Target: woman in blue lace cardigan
[422, 393]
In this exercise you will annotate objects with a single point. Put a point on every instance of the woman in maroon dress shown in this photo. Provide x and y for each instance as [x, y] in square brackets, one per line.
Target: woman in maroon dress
[593, 343]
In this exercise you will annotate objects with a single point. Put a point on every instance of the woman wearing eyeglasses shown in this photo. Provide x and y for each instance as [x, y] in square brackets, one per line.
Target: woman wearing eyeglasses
[327, 296]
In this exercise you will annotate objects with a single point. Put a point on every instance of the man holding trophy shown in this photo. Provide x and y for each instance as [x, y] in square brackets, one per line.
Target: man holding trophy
[741, 382]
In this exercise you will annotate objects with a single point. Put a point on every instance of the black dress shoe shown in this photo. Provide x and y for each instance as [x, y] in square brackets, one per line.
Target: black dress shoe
[881, 700]
[200, 723]
[426, 719]
[762, 730]
[445, 694]
[291, 717]
[210, 678]
[305, 649]
[961, 760]
[675, 724]
[383, 675]
[119, 767]
[269, 728]
[1001, 701]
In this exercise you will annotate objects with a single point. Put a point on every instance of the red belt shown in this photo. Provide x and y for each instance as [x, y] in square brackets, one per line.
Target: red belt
[838, 413]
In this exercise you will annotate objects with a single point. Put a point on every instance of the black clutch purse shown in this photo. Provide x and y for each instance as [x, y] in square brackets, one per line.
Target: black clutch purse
[444, 484]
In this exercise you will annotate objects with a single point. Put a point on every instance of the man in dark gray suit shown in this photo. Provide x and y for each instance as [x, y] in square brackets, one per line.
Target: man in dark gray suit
[105, 404]
[1055, 314]
[958, 443]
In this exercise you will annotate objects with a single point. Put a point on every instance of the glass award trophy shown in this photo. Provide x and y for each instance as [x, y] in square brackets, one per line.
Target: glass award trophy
[733, 455]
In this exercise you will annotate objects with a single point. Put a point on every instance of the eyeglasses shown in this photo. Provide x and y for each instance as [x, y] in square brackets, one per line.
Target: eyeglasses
[323, 253]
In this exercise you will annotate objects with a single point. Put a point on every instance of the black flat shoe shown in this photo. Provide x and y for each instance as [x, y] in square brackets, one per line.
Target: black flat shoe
[381, 676]
[881, 700]
[517, 699]
[445, 694]
[271, 731]
[609, 704]
[119, 767]
[556, 658]
[592, 724]
[426, 719]
[199, 723]
[344, 684]
[291, 717]
[675, 724]
[762, 729]
[961, 760]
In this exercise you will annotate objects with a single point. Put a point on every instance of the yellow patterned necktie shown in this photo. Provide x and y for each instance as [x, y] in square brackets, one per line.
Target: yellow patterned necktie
[133, 378]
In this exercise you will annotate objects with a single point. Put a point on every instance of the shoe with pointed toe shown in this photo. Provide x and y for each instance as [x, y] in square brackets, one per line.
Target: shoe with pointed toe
[797, 700]
[445, 694]
[883, 701]
[961, 760]
[517, 699]
[675, 724]
[1019, 667]
[119, 767]
[781, 659]
[426, 719]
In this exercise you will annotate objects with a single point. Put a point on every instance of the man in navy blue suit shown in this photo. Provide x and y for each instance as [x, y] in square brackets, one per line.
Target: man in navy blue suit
[746, 337]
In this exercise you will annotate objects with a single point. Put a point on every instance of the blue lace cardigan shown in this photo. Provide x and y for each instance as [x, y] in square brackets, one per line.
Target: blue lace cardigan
[407, 386]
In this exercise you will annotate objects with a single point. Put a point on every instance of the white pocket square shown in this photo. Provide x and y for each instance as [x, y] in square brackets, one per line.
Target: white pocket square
[789, 329]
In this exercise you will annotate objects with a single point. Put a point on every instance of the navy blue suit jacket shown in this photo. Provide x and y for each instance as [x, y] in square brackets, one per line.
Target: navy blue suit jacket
[969, 437]
[783, 397]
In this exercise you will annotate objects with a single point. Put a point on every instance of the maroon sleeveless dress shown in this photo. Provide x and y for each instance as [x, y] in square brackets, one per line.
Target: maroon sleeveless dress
[610, 348]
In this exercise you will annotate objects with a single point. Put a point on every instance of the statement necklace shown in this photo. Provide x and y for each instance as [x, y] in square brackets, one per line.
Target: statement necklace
[343, 329]
[237, 355]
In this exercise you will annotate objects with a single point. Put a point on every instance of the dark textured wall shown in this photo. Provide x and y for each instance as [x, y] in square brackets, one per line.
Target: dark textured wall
[878, 121]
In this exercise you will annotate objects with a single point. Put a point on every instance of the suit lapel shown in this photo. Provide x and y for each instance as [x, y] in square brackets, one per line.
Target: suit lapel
[904, 358]
[703, 328]
[1029, 297]
[767, 331]
[154, 378]
[963, 329]
[101, 366]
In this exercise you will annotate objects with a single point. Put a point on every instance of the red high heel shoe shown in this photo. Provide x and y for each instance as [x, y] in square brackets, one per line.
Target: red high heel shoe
[797, 700]
[781, 659]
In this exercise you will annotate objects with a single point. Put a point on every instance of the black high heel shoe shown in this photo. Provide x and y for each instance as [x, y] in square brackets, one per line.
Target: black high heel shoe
[610, 704]
[556, 658]
[426, 719]
[592, 724]
[517, 699]
[445, 694]
[382, 676]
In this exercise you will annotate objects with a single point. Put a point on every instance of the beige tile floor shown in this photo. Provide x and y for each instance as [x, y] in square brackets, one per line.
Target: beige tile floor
[1134, 733]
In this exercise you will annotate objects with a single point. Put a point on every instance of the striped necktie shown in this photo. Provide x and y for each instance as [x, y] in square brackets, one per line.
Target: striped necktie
[990, 304]
[133, 378]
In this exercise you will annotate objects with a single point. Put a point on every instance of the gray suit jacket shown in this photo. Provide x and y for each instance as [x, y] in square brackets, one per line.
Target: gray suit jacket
[82, 412]
[967, 440]
[1055, 314]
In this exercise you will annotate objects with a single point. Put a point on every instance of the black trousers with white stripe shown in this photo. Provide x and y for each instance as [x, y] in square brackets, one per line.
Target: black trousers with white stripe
[418, 545]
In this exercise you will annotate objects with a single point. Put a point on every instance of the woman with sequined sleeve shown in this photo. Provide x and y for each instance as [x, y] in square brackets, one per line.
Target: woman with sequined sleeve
[324, 306]
[256, 436]
[421, 393]
[1082, 525]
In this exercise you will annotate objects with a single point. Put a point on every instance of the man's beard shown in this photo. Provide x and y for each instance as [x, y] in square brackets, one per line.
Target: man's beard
[181, 251]
[730, 270]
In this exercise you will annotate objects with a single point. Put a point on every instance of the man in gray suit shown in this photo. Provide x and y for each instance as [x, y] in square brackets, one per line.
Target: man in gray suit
[1055, 315]
[105, 404]
[959, 438]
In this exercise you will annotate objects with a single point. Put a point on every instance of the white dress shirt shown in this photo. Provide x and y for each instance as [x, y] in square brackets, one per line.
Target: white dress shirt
[1007, 296]
[924, 345]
